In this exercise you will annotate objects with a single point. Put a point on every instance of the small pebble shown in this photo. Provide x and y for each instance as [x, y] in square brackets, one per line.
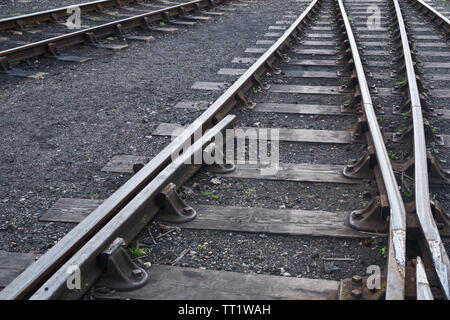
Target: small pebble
[147, 265]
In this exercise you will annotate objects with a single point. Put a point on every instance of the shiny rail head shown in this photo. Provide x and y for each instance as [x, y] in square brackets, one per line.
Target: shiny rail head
[40, 48]
[427, 223]
[423, 290]
[127, 223]
[28, 282]
[395, 288]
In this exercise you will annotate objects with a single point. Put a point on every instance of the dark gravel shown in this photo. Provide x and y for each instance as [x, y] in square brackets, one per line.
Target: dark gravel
[58, 132]
[10, 8]
[439, 125]
[276, 194]
[270, 254]
[261, 253]
[37, 32]
[443, 6]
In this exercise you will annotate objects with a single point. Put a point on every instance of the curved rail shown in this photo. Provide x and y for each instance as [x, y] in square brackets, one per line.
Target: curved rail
[49, 272]
[428, 226]
[397, 236]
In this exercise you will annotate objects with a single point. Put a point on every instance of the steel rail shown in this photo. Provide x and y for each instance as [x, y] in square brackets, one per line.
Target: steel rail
[40, 271]
[39, 48]
[434, 12]
[423, 290]
[54, 14]
[395, 288]
[127, 223]
[428, 226]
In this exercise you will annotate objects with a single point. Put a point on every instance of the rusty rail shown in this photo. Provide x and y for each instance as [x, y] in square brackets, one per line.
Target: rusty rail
[52, 45]
[395, 288]
[424, 213]
[128, 222]
[54, 14]
[81, 244]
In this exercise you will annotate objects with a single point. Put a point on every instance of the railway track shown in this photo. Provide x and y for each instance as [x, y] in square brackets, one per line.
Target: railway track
[330, 65]
[102, 24]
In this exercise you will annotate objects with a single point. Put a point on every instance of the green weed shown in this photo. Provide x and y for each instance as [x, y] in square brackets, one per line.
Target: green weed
[137, 251]
[392, 155]
[249, 192]
[400, 82]
[210, 195]
[408, 187]
[203, 245]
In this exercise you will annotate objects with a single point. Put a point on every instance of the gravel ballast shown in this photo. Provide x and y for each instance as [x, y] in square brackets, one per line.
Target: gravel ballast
[59, 131]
